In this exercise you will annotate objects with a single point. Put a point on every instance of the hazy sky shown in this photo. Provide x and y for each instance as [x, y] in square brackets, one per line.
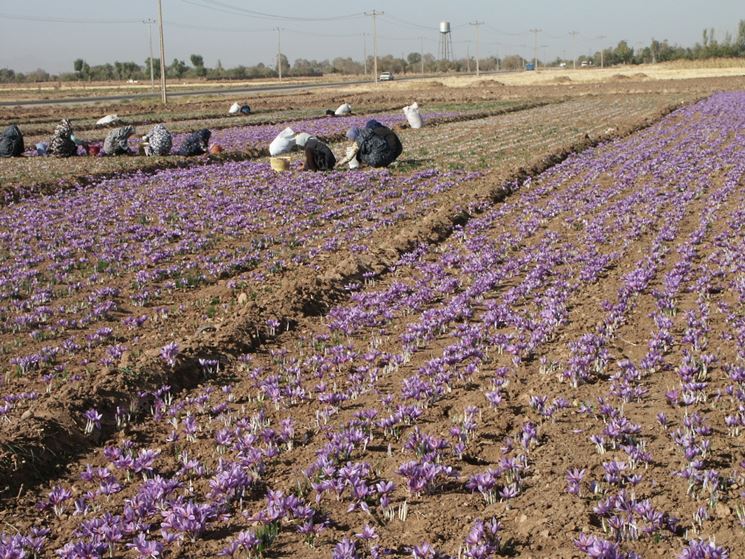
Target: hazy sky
[107, 30]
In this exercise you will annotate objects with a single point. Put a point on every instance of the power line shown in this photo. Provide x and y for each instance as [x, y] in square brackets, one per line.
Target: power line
[222, 6]
[409, 23]
[500, 32]
[50, 19]
[218, 29]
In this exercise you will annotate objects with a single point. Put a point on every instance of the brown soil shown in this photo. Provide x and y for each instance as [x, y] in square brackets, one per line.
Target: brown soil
[47, 447]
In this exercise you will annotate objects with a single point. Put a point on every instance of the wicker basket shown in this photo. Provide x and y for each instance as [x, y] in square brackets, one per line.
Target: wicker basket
[280, 163]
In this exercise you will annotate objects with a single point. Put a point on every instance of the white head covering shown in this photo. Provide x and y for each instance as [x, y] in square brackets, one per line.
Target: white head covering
[302, 137]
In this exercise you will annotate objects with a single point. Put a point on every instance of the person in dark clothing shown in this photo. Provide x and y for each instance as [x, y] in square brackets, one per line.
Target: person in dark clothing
[372, 124]
[63, 142]
[375, 145]
[196, 143]
[117, 141]
[318, 156]
[11, 142]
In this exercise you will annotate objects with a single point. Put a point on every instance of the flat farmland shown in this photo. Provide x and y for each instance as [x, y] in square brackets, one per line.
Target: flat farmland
[523, 339]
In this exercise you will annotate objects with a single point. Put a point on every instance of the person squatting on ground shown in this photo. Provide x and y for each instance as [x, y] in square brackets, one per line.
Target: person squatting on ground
[158, 141]
[318, 156]
[196, 143]
[117, 141]
[63, 142]
[11, 142]
[375, 145]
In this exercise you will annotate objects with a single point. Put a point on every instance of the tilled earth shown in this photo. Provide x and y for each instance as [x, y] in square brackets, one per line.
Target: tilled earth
[561, 353]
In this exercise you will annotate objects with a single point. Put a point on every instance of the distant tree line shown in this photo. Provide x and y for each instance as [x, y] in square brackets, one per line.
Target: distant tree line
[662, 51]
[657, 51]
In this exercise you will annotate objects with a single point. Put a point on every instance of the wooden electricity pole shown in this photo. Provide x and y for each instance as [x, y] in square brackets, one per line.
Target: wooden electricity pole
[163, 94]
[149, 23]
[374, 14]
[279, 52]
[477, 24]
[574, 48]
[535, 47]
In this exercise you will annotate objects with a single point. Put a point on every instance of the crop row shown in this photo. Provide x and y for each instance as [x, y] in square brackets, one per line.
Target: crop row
[81, 267]
[416, 390]
[23, 177]
[124, 259]
[107, 328]
[514, 138]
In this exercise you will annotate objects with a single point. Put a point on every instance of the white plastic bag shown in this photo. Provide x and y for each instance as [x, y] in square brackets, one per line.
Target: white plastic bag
[234, 108]
[343, 109]
[283, 143]
[413, 116]
[107, 120]
[353, 163]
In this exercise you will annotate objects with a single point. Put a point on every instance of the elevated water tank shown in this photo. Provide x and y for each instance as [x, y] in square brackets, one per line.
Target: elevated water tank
[444, 27]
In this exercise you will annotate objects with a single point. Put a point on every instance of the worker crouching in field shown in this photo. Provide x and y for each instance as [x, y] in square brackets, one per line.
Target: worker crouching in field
[117, 141]
[196, 143]
[11, 142]
[318, 156]
[374, 145]
[158, 141]
[63, 142]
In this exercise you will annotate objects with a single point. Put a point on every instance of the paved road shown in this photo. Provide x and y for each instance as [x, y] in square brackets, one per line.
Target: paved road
[203, 91]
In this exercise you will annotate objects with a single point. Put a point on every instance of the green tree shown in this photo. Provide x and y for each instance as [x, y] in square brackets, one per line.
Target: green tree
[7, 75]
[739, 45]
[156, 66]
[82, 69]
[623, 53]
[178, 68]
[512, 62]
[198, 62]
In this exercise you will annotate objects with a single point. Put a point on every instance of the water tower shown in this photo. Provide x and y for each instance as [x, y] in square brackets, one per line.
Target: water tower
[446, 41]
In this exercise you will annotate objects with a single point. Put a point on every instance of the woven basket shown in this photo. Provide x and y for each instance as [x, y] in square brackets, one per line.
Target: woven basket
[280, 163]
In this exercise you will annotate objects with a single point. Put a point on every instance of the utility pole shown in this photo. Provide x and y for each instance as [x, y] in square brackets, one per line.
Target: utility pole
[374, 15]
[477, 24]
[468, 57]
[602, 50]
[574, 48]
[535, 47]
[421, 52]
[279, 52]
[149, 23]
[163, 94]
[364, 51]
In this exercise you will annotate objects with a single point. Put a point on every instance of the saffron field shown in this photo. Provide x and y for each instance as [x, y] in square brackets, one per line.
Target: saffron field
[489, 351]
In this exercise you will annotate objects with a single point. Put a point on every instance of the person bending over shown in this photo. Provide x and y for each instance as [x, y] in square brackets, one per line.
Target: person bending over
[318, 156]
[374, 145]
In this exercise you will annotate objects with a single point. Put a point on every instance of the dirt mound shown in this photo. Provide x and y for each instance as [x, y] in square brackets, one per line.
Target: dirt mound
[620, 77]
[490, 83]
[640, 76]
[562, 79]
[433, 84]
